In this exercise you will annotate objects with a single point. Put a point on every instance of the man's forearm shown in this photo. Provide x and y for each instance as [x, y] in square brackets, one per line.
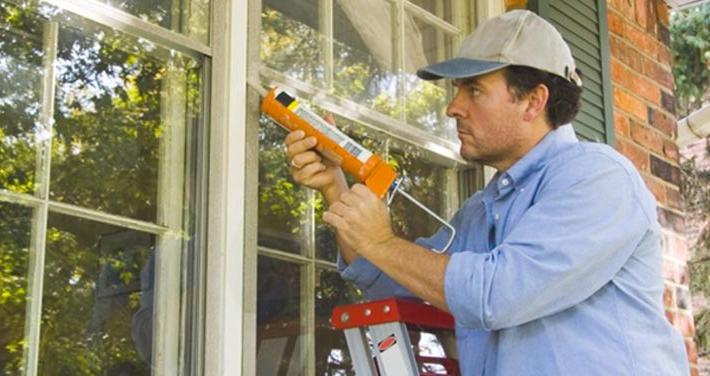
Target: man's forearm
[418, 269]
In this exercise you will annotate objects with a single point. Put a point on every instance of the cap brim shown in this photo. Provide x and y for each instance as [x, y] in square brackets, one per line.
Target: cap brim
[459, 67]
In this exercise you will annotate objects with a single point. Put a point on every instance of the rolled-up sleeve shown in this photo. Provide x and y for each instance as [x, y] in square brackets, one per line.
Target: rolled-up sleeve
[584, 225]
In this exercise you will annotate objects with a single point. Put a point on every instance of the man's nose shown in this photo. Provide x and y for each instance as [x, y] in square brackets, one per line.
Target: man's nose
[454, 109]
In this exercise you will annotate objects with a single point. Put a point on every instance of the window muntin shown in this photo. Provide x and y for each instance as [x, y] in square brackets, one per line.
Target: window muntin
[190, 18]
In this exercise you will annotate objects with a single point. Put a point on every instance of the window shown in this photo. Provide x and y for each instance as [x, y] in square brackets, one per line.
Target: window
[358, 58]
[100, 118]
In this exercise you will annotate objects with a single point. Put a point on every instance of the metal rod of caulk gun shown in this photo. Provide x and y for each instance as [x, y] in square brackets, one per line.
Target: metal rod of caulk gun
[397, 187]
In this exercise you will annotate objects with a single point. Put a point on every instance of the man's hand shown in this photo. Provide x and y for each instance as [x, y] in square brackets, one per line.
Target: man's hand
[361, 219]
[309, 168]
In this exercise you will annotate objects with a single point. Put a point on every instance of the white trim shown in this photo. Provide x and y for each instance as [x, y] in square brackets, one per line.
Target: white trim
[225, 238]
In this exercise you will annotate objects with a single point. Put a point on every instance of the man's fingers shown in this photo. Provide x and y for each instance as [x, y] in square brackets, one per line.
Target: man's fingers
[305, 173]
[299, 146]
[305, 158]
[294, 136]
[329, 118]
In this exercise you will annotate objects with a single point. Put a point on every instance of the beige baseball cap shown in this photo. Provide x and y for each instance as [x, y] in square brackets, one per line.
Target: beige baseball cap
[518, 37]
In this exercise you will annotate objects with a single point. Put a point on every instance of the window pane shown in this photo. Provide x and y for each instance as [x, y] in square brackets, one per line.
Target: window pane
[290, 41]
[125, 111]
[97, 299]
[426, 100]
[280, 328]
[284, 206]
[15, 228]
[332, 355]
[171, 14]
[363, 55]
[20, 96]
[375, 141]
[426, 182]
[440, 8]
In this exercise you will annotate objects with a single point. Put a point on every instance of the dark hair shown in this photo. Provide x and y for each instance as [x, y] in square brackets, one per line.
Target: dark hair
[564, 100]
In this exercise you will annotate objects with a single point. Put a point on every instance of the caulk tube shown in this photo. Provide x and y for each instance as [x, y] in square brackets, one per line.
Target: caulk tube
[333, 144]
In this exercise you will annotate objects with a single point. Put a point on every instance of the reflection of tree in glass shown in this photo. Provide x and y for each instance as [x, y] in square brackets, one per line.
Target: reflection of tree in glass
[290, 46]
[105, 155]
[14, 258]
[21, 71]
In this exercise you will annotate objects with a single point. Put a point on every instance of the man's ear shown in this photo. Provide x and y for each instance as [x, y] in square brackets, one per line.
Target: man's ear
[537, 100]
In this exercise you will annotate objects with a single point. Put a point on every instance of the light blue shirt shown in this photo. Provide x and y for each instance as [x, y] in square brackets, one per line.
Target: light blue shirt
[556, 269]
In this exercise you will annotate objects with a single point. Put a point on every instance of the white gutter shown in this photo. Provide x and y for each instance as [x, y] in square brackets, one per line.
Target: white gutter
[694, 126]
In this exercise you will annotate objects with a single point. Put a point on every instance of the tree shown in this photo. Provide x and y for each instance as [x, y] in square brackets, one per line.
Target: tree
[690, 46]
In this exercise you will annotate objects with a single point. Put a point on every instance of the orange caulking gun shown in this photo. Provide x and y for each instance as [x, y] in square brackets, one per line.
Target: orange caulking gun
[335, 145]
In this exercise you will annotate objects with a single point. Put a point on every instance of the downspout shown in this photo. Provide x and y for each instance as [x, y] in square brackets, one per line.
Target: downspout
[694, 127]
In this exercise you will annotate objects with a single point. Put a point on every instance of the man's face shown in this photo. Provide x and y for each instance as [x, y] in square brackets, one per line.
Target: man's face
[489, 120]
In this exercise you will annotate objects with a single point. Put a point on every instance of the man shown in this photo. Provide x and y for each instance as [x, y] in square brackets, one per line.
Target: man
[556, 267]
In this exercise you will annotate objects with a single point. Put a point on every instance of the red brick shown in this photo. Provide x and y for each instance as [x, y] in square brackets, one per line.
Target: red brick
[621, 125]
[637, 155]
[642, 41]
[662, 13]
[692, 350]
[674, 198]
[672, 272]
[669, 296]
[625, 7]
[646, 137]
[684, 324]
[616, 24]
[630, 104]
[635, 83]
[670, 150]
[664, 123]
[658, 189]
[627, 55]
[664, 56]
[654, 71]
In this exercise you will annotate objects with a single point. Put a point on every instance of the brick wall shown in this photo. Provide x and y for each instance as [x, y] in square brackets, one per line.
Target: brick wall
[645, 125]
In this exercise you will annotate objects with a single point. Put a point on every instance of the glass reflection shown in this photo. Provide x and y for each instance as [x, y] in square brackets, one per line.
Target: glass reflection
[21, 70]
[98, 283]
[188, 17]
[280, 328]
[363, 57]
[426, 100]
[423, 180]
[124, 110]
[332, 355]
[15, 228]
[290, 41]
[283, 205]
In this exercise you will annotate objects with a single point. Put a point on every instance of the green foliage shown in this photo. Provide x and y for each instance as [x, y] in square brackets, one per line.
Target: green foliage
[690, 46]
[695, 188]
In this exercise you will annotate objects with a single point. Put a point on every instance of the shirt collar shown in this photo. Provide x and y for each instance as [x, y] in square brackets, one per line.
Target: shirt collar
[553, 142]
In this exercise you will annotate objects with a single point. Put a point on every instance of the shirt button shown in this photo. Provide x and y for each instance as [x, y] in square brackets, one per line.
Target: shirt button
[505, 182]
[496, 216]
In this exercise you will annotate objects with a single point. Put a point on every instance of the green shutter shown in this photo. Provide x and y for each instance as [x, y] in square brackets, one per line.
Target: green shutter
[583, 25]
